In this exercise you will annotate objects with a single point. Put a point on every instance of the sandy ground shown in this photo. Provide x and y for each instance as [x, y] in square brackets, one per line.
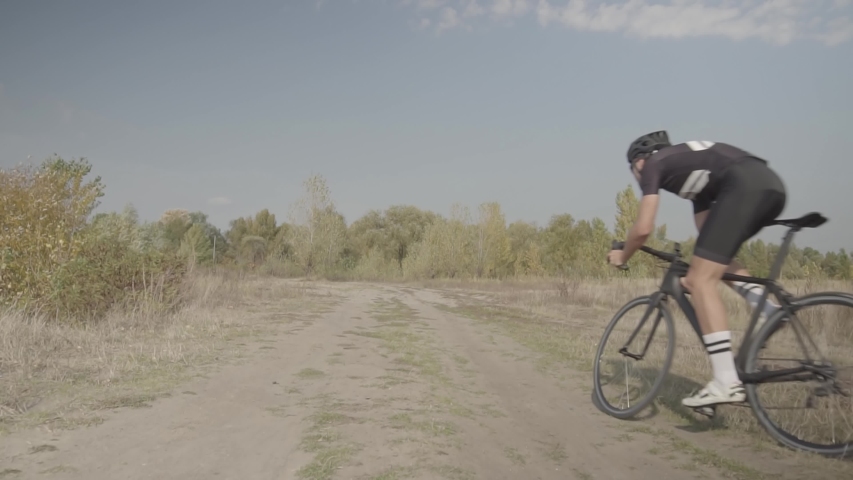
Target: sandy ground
[387, 385]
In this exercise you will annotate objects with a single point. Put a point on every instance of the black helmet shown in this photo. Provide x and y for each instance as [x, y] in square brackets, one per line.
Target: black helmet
[648, 143]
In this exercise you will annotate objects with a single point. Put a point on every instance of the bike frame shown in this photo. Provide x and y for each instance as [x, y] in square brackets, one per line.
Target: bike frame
[671, 287]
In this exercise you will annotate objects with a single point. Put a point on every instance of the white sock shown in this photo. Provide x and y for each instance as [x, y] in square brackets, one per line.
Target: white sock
[752, 292]
[719, 347]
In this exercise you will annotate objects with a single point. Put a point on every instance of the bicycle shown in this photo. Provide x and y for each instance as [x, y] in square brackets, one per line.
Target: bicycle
[823, 372]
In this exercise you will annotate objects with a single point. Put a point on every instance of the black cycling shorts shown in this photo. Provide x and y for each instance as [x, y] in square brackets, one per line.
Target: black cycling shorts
[751, 196]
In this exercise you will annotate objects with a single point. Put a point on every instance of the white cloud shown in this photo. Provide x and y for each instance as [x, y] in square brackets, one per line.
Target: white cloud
[219, 201]
[449, 19]
[778, 22]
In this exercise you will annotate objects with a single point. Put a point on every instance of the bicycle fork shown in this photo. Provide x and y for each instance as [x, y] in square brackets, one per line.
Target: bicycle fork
[656, 299]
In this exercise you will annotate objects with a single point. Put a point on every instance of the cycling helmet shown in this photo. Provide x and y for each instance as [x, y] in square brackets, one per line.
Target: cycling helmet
[648, 143]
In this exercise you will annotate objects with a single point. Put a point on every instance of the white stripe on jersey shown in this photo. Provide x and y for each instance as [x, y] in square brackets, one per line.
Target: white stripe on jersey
[694, 184]
[697, 145]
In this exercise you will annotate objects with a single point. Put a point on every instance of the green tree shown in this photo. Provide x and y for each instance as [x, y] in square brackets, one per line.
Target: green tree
[196, 246]
[318, 232]
[492, 243]
[560, 247]
[627, 207]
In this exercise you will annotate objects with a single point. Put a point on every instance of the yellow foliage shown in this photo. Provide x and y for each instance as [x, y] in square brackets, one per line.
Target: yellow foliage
[41, 210]
[52, 258]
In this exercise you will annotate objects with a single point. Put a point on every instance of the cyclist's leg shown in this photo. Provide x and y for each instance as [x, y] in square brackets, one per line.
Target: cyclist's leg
[759, 176]
[751, 292]
[751, 196]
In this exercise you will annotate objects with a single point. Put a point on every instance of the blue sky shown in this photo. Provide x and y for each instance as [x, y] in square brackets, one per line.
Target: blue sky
[227, 107]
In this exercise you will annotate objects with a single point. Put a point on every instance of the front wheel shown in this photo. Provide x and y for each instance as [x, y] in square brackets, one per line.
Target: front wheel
[633, 331]
[818, 336]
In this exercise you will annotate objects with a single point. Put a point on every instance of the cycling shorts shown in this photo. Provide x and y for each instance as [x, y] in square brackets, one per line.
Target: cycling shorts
[751, 196]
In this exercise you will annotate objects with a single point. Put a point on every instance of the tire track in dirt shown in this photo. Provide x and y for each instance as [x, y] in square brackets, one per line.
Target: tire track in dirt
[549, 425]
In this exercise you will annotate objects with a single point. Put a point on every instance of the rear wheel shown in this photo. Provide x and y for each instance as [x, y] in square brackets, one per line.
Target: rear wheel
[619, 378]
[815, 412]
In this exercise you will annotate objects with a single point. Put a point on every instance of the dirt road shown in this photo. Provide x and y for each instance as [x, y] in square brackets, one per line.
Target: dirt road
[388, 385]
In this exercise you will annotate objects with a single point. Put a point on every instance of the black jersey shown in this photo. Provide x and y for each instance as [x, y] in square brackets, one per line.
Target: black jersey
[691, 170]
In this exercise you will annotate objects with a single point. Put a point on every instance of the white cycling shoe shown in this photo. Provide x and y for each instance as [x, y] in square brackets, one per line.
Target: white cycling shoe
[714, 394]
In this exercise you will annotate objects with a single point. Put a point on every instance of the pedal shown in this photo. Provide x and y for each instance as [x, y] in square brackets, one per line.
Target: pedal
[709, 412]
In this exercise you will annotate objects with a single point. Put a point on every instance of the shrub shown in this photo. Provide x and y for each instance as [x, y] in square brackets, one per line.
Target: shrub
[55, 260]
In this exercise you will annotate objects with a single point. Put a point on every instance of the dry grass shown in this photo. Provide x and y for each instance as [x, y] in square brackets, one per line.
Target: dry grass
[61, 375]
[564, 320]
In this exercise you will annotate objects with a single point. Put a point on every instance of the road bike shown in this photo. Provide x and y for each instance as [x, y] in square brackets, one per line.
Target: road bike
[813, 369]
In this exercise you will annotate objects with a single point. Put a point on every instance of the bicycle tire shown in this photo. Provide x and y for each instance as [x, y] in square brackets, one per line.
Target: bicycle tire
[759, 339]
[637, 407]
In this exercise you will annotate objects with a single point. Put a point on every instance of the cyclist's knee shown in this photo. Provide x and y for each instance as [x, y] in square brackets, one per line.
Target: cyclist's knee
[698, 279]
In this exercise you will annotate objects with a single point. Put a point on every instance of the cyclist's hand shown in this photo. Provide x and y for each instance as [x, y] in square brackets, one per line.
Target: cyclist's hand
[615, 258]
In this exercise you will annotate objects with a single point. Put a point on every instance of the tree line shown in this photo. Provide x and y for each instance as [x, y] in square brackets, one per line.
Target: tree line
[404, 241]
[57, 255]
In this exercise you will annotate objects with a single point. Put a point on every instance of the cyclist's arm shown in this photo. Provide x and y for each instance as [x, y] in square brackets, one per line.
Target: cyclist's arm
[643, 226]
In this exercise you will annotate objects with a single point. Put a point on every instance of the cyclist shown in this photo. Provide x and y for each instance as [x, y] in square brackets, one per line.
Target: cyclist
[734, 194]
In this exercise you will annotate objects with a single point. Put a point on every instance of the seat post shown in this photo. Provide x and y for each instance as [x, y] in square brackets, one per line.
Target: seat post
[776, 269]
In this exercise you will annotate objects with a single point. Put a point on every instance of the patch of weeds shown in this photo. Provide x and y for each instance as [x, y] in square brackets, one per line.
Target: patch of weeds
[393, 310]
[61, 422]
[310, 373]
[364, 334]
[334, 361]
[9, 471]
[59, 469]
[388, 381]
[430, 427]
[709, 458]
[414, 350]
[315, 442]
[394, 473]
[556, 342]
[625, 437]
[43, 448]
[491, 411]
[514, 456]
[581, 475]
[292, 390]
[326, 463]
[453, 407]
[396, 324]
[139, 400]
[555, 452]
[452, 473]
[402, 440]
[278, 411]
[322, 440]
[328, 418]
[637, 428]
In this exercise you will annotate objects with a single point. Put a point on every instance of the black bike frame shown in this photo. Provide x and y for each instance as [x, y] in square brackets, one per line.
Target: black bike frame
[671, 287]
